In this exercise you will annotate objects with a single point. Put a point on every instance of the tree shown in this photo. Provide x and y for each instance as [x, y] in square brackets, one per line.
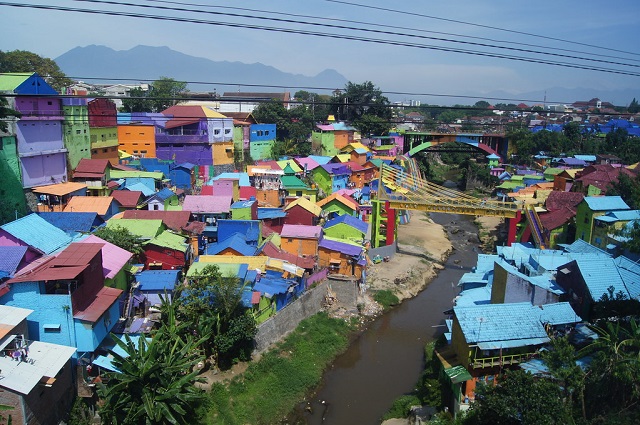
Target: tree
[137, 101]
[25, 61]
[518, 398]
[164, 92]
[634, 107]
[560, 359]
[628, 188]
[155, 382]
[6, 113]
[121, 237]
[358, 101]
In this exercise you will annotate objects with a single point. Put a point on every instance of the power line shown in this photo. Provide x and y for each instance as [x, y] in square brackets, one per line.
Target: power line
[384, 9]
[376, 31]
[328, 35]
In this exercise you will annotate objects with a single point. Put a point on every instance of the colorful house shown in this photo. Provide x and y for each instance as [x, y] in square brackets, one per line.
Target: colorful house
[144, 230]
[55, 197]
[127, 199]
[165, 199]
[331, 177]
[335, 205]
[75, 130]
[302, 211]
[268, 184]
[235, 244]
[244, 210]
[43, 156]
[71, 304]
[11, 176]
[340, 256]
[36, 233]
[94, 173]
[594, 206]
[208, 209]
[262, 137]
[197, 135]
[137, 139]
[300, 240]
[251, 230]
[152, 284]
[331, 138]
[39, 389]
[103, 129]
[293, 187]
[167, 251]
[115, 262]
[346, 227]
[272, 219]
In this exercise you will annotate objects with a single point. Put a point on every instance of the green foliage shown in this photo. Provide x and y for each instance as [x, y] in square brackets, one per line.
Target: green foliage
[25, 61]
[5, 113]
[628, 188]
[164, 92]
[137, 101]
[80, 413]
[519, 398]
[155, 384]
[386, 299]
[293, 127]
[401, 407]
[365, 107]
[634, 107]
[273, 385]
[121, 237]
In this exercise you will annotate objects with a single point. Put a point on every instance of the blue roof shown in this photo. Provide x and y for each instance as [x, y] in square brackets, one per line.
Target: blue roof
[141, 187]
[342, 247]
[187, 165]
[558, 314]
[106, 361]
[606, 203]
[10, 258]
[504, 325]
[237, 242]
[164, 194]
[158, 280]
[242, 177]
[356, 223]
[35, 231]
[581, 246]
[270, 213]
[320, 159]
[626, 215]
[586, 158]
[272, 286]
[474, 296]
[243, 204]
[630, 273]
[83, 222]
[335, 168]
[599, 274]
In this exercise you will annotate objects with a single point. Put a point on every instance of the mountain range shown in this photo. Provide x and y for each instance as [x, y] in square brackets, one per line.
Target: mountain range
[101, 64]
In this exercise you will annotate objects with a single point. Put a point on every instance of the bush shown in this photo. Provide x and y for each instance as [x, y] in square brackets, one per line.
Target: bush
[386, 299]
[401, 407]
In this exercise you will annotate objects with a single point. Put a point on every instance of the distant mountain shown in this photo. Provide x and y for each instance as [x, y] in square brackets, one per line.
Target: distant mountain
[151, 63]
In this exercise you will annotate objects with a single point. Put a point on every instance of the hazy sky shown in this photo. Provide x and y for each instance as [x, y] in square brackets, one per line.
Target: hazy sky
[605, 33]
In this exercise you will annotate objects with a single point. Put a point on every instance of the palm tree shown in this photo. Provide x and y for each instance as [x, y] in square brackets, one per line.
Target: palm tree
[155, 382]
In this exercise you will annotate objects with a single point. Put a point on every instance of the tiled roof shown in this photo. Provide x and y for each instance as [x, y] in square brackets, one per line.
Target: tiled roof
[504, 325]
[174, 220]
[606, 203]
[301, 231]
[114, 258]
[356, 223]
[207, 204]
[558, 199]
[10, 258]
[305, 204]
[38, 233]
[127, 198]
[146, 229]
[157, 280]
[97, 204]
[73, 221]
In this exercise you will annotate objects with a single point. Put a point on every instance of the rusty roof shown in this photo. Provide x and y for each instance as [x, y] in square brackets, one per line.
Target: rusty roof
[101, 303]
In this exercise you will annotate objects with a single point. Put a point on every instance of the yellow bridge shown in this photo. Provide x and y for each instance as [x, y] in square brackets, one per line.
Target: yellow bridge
[409, 191]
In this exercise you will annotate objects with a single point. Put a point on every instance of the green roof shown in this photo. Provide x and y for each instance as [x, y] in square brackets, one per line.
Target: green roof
[123, 174]
[226, 269]
[510, 185]
[11, 80]
[458, 374]
[147, 229]
[294, 168]
[169, 240]
[292, 182]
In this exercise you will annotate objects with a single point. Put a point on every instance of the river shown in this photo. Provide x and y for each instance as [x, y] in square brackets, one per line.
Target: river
[386, 360]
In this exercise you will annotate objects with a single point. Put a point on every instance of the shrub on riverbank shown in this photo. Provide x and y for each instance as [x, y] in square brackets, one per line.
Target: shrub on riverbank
[272, 386]
[386, 299]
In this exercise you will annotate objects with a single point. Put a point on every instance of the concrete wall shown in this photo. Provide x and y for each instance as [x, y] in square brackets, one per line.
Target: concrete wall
[286, 320]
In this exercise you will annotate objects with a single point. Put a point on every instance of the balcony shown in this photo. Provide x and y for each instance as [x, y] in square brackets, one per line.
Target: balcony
[499, 361]
[187, 139]
[42, 115]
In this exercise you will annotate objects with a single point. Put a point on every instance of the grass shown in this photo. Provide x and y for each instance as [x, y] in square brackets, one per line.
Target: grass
[271, 387]
[386, 299]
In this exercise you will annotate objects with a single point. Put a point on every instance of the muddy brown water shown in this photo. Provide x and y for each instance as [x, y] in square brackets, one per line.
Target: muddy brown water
[386, 360]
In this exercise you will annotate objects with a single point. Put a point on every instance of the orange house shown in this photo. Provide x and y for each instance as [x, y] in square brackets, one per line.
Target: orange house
[137, 139]
[300, 240]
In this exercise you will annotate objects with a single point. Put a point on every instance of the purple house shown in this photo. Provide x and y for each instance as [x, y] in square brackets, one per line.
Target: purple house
[190, 133]
[43, 157]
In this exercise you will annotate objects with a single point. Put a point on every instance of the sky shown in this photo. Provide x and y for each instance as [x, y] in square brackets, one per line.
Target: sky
[405, 52]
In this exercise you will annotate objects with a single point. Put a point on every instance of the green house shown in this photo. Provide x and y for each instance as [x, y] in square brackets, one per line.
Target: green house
[336, 205]
[75, 130]
[347, 228]
[295, 188]
[13, 200]
[592, 207]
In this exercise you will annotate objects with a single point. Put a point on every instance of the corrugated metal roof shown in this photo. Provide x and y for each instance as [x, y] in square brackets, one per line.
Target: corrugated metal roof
[292, 182]
[92, 166]
[207, 204]
[340, 246]
[114, 258]
[271, 213]
[301, 231]
[148, 229]
[506, 323]
[305, 204]
[558, 314]
[60, 189]
[174, 220]
[236, 242]
[243, 178]
[97, 204]
[73, 221]
[127, 198]
[599, 274]
[38, 233]
[9, 81]
[347, 201]
[104, 299]
[606, 203]
[356, 223]
[157, 280]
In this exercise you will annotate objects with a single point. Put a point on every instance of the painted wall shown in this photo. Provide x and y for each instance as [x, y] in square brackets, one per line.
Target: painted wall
[42, 170]
[12, 196]
[299, 246]
[223, 153]
[299, 215]
[335, 208]
[262, 132]
[170, 259]
[90, 335]
[344, 231]
[261, 149]
[345, 268]
[75, 129]
[197, 154]
[104, 143]
[136, 139]
[38, 136]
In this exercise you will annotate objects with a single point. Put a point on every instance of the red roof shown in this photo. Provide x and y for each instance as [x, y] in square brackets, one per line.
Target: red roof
[195, 227]
[104, 299]
[92, 166]
[174, 220]
[558, 199]
[601, 175]
[553, 220]
[127, 198]
[77, 254]
[270, 250]
[255, 297]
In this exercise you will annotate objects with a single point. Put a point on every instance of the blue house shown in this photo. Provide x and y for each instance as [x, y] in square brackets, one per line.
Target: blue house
[71, 304]
[234, 245]
[250, 229]
[182, 175]
[153, 283]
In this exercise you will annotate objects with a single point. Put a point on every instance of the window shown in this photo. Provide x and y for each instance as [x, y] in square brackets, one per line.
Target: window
[49, 103]
[105, 150]
[51, 327]
[216, 131]
[77, 131]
